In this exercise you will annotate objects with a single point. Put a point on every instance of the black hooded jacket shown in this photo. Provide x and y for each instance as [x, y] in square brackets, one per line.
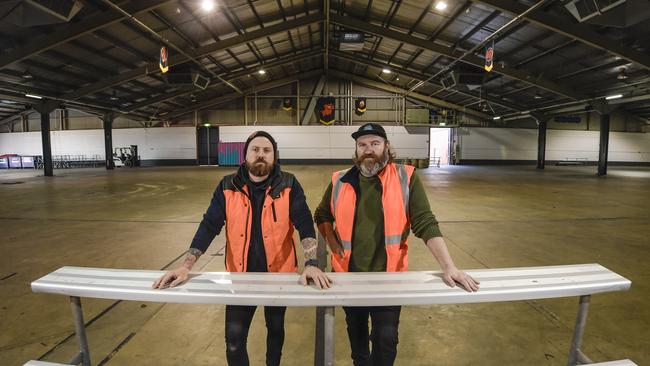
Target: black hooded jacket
[215, 217]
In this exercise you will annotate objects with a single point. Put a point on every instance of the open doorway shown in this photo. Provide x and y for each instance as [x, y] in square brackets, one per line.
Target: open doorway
[439, 146]
[208, 145]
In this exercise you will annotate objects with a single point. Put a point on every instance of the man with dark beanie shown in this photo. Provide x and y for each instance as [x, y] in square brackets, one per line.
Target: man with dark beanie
[261, 205]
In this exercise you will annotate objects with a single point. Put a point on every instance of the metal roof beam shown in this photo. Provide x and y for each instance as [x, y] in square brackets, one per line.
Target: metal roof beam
[441, 28]
[448, 52]
[152, 68]
[413, 95]
[571, 30]
[228, 97]
[76, 30]
[419, 76]
[178, 93]
[478, 27]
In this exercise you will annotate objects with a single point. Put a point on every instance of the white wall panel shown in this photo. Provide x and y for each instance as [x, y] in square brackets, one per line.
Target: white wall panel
[629, 146]
[334, 142]
[22, 143]
[326, 142]
[153, 143]
[77, 142]
[521, 144]
[159, 143]
[565, 144]
[498, 144]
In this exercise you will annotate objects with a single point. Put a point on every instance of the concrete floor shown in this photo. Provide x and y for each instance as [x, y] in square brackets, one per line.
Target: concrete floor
[491, 216]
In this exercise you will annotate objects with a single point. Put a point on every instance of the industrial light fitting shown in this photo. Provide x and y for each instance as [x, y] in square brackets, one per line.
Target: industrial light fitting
[441, 5]
[207, 5]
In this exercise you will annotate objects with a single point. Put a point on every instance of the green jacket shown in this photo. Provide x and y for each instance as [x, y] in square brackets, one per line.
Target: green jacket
[368, 252]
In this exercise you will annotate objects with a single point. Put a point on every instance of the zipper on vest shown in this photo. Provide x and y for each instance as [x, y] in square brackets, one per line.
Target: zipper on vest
[246, 243]
[275, 219]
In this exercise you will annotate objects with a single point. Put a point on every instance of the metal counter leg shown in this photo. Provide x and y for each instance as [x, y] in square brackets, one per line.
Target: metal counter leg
[80, 332]
[575, 355]
[324, 352]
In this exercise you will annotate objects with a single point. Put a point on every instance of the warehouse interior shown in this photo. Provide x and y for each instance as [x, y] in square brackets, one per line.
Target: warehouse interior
[107, 161]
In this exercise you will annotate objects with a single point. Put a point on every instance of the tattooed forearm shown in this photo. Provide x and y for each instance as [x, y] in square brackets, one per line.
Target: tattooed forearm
[193, 255]
[309, 246]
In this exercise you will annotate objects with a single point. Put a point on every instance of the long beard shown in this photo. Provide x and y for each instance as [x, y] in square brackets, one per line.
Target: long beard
[259, 168]
[370, 164]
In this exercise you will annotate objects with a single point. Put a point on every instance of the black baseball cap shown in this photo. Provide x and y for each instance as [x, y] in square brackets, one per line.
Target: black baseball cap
[370, 129]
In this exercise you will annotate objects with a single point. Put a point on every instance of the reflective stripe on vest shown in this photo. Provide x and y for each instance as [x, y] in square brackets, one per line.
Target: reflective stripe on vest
[395, 180]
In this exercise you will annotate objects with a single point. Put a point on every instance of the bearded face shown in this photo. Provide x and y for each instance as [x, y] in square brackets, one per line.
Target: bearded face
[260, 167]
[260, 157]
[371, 155]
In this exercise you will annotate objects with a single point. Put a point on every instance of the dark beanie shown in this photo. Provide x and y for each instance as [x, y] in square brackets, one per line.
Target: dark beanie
[262, 134]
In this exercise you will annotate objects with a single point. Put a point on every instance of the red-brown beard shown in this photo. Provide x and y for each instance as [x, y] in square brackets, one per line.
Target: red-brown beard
[371, 164]
[259, 168]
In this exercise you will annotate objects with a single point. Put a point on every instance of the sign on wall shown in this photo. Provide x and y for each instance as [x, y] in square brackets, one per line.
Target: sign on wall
[326, 107]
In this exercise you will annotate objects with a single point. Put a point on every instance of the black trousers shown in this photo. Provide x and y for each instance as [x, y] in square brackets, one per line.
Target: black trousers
[385, 321]
[238, 322]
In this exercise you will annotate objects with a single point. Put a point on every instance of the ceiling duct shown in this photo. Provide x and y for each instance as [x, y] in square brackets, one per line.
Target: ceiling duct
[186, 75]
[448, 80]
[29, 13]
[469, 76]
[351, 41]
[613, 13]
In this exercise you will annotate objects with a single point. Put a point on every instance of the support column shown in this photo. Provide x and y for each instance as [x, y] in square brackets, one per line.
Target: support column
[541, 143]
[45, 109]
[604, 144]
[245, 110]
[298, 102]
[65, 119]
[47, 145]
[108, 141]
[311, 105]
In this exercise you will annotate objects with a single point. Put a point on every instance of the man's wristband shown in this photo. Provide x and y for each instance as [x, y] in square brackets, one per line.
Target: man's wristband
[311, 262]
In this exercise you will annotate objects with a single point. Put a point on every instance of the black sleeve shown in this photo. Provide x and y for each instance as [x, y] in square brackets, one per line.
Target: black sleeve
[213, 221]
[299, 212]
[323, 212]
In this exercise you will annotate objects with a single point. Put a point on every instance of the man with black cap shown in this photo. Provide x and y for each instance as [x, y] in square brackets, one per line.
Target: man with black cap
[261, 205]
[374, 205]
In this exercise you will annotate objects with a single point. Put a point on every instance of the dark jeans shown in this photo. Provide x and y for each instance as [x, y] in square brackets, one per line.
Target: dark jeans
[385, 321]
[238, 322]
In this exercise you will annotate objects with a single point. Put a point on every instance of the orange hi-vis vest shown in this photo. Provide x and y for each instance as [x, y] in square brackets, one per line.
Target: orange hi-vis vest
[277, 228]
[395, 181]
